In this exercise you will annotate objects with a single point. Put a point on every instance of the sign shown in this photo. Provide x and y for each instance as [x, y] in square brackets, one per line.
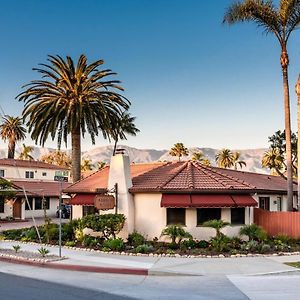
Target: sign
[61, 175]
[103, 202]
[60, 178]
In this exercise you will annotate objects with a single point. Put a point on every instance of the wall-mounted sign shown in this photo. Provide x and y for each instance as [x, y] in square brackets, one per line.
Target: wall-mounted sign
[61, 175]
[103, 202]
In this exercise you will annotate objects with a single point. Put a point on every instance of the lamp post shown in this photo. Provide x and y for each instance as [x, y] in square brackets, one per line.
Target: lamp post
[297, 89]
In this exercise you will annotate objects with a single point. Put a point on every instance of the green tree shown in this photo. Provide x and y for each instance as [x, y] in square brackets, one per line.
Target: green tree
[274, 160]
[58, 157]
[25, 153]
[237, 162]
[281, 22]
[218, 225]
[179, 150]
[201, 158]
[86, 165]
[176, 233]
[225, 159]
[101, 165]
[121, 127]
[12, 130]
[71, 99]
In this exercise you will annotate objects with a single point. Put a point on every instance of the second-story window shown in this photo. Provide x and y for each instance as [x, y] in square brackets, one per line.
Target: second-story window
[44, 174]
[2, 173]
[29, 174]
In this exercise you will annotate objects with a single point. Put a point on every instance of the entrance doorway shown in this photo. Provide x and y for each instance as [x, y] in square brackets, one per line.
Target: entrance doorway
[17, 209]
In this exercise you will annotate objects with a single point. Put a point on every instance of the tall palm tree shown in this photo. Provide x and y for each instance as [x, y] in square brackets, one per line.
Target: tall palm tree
[225, 159]
[25, 153]
[71, 99]
[281, 21]
[237, 162]
[122, 126]
[273, 159]
[12, 130]
[59, 158]
[179, 150]
[201, 158]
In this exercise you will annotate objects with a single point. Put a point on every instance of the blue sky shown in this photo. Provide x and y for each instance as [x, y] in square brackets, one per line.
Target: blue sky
[190, 78]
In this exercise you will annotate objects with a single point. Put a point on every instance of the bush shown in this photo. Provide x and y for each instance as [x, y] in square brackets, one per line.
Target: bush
[109, 225]
[253, 232]
[13, 234]
[250, 246]
[190, 244]
[143, 248]
[90, 241]
[114, 244]
[70, 243]
[220, 243]
[202, 244]
[136, 239]
[264, 248]
[176, 233]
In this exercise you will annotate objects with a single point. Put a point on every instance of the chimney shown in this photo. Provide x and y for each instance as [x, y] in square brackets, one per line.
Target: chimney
[119, 172]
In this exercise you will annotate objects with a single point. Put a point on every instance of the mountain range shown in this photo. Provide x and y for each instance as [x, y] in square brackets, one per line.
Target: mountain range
[252, 157]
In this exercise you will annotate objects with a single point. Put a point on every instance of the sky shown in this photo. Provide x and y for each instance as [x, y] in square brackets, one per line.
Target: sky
[190, 78]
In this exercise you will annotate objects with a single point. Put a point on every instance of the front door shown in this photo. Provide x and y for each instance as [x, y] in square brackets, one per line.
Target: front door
[17, 209]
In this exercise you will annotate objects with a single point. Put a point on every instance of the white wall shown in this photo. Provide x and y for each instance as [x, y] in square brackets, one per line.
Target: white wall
[77, 211]
[273, 201]
[51, 212]
[8, 211]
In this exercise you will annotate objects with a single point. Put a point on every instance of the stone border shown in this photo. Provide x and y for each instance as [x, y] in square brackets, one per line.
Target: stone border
[161, 255]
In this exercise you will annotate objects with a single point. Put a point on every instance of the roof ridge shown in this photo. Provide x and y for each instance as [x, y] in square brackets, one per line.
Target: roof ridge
[180, 169]
[212, 169]
[190, 170]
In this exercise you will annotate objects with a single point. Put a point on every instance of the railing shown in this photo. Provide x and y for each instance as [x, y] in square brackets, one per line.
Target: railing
[275, 223]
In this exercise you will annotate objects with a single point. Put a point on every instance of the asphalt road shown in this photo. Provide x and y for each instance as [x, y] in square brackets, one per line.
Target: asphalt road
[16, 287]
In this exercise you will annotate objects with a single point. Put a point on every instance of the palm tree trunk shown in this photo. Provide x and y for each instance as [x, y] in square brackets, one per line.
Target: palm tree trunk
[76, 154]
[11, 149]
[284, 60]
[297, 88]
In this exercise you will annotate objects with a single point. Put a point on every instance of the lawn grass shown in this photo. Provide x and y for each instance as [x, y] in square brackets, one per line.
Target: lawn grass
[295, 264]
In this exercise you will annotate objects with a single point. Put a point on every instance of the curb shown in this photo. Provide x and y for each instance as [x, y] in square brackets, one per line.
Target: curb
[79, 268]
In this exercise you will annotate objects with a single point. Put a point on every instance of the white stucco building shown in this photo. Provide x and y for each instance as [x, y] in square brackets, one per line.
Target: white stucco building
[155, 195]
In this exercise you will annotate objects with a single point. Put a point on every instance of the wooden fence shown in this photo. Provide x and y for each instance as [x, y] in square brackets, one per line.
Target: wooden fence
[275, 223]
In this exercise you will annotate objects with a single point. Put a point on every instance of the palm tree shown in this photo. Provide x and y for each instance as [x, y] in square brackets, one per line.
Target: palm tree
[58, 157]
[200, 157]
[225, 159]
[25, 154]
[179, 150]
[12, 130]
[122, 126]
[237, 162]
[71, 99]
[101, 165]
[86, 165]
[281, 21]
[218, 225]
[273, 159]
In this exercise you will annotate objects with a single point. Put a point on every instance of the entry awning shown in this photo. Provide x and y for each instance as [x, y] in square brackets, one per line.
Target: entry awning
[206, 200]
[243, 200]
[83, 199]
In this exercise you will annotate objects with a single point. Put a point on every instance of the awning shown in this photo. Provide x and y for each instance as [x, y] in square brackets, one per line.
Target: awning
[212, 201]
[175, 200]
[83, 199]
[243, 200]
[206, 200]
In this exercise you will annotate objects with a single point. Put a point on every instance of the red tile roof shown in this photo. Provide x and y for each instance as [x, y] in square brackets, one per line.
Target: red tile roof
[40, 188]
[98, 181]
[29, 164]
[179, 177]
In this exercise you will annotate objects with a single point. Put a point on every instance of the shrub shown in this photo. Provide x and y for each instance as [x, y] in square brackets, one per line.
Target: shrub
[16, 248]
[253, 232]
[70, 243]
[264, 248]
[43, 251]
[218, 225]
[176, 233]
[13, 234]
[202, 244]
[136, 239]
[190, 244]
[109, 225]
[220, 243]
[143, 248]
[90, 241]
[114, 244]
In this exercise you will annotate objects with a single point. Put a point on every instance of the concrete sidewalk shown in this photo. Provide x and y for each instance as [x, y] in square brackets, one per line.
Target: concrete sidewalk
[143, 265]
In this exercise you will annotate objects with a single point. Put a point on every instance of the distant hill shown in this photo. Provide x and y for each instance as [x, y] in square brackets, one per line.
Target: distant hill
[251, 156]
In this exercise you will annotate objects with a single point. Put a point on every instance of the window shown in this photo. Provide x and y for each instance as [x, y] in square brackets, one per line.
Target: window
[238, 215]
[38, 203]
[44, 174]
[175, 216]
[279, 204]
[206, 214]
[1, 205]
[264, 203]
[88, 210]
[29, 174]
[2, 173]
[30, 200]
[46, 203]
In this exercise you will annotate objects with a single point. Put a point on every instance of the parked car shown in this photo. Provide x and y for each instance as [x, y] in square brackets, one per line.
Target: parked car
[65, 211]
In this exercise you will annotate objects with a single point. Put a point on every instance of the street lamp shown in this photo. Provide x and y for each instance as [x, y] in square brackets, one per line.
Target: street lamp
[297, 89]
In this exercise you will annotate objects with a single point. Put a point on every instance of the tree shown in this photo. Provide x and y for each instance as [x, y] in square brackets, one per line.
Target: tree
[179, 150]
[71, 99]
[218, 225]
[225, 159]
[122, 126]
[237, 162]
[201, 158]
[281, 22]
[25, 153]
[101, 164]
[86, 165]
[274, 160]
[59, 158]
[176, 233]
[12, 130]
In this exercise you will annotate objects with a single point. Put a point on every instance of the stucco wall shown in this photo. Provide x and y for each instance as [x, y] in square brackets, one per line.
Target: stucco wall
[273, 201]
[8, 211]
[51, 212]
[77, 211]
[151, 219]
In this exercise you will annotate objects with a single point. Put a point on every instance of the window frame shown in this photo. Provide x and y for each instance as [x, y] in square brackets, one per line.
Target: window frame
[3, 172]
[29, 174]
[208, 209]
[181, 213]
[263, 200]
[236, 209]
